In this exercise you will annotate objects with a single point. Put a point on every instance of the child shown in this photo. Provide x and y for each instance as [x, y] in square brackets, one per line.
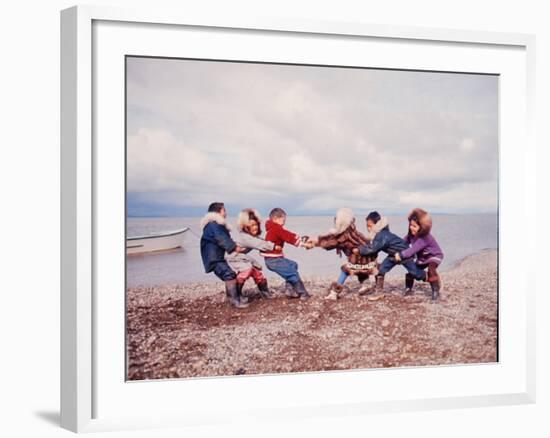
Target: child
[215, 242]
[344, 237]
[276, 261]
[391, 244]
[244, 264]
[425, 247]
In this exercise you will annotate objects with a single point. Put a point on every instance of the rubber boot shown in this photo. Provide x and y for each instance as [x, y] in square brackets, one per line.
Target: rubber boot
[232, 291]
[264, 290]
[301, 290]
[436, 287]
[375, 292]
[379, 283]
[378, 286]
[290, 291]
[242, 298]
[409, 282]
[366, 289]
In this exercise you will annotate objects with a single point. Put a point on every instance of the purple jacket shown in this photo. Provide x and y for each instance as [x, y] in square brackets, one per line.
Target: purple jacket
[425, 248]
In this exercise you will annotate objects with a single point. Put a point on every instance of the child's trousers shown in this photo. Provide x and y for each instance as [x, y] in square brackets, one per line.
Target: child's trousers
[224, 272]
[342, 278]
[286, 268]
[409, 264]
[255, 273]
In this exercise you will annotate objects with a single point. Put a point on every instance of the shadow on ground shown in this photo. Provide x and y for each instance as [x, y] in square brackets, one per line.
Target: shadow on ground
[51, 417]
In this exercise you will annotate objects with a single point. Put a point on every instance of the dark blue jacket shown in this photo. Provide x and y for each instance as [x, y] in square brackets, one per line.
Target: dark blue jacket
[215, 242]
[385, 241]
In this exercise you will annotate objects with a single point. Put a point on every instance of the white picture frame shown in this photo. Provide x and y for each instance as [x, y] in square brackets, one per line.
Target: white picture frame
[90, 33]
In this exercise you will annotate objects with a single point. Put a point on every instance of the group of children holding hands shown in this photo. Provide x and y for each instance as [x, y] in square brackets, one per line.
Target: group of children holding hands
[228, 254]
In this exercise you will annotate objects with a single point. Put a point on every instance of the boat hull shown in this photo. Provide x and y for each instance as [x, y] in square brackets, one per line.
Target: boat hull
[155, 243]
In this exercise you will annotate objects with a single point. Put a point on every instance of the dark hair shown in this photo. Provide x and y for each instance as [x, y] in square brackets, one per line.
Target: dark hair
[373, 216]
[277, 212]
[216, 207]
[252, 217]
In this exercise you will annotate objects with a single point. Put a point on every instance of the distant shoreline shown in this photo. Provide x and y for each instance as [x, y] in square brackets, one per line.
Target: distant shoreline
[315, 215]
[458, 236]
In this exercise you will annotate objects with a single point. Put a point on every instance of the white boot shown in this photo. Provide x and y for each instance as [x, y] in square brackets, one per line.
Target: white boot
[333, 291]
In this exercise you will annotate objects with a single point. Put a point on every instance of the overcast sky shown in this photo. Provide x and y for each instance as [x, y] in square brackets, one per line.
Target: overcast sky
[308, 139]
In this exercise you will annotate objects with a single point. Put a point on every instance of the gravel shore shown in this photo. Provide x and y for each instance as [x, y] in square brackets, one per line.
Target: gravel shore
[189, 330]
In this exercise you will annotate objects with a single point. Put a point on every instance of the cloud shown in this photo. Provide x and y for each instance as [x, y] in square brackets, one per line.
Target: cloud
[159, 162]
[311, 137]
[465, 198]
[467, 144]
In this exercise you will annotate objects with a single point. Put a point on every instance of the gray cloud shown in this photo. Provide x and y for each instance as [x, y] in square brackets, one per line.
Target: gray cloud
[311, 138]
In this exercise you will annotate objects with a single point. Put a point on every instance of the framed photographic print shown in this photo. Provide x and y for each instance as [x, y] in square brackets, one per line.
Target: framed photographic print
[315, 216]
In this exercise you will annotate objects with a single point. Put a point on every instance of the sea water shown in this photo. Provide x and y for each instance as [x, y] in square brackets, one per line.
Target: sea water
[458, 236]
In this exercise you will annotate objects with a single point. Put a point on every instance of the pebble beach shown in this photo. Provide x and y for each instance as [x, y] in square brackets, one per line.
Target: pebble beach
[189, 330]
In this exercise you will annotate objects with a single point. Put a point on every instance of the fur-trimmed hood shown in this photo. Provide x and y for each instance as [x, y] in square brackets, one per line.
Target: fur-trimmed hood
[246, 215]
[342, 221]
[345, 218]
[378, 226]
[214, 217]
[423, 219]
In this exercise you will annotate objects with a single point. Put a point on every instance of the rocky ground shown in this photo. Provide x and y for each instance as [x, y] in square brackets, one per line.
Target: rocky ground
[190, 331]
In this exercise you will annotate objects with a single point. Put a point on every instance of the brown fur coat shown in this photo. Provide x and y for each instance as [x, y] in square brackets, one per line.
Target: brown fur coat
[344, 237]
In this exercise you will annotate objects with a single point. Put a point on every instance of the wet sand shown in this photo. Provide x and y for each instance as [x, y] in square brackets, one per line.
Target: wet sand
[189, 330]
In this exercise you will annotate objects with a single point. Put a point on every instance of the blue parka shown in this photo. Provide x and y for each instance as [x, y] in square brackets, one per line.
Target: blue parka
[215, 241]
[385, 241]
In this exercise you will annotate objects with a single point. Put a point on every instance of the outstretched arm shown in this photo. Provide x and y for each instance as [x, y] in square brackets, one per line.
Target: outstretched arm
[415, 248]
[290, 237]
[372, 248]
[252, 242]
[327, 242]
[342, 241]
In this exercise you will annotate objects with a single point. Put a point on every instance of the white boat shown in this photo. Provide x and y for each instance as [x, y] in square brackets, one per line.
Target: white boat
[156, 242]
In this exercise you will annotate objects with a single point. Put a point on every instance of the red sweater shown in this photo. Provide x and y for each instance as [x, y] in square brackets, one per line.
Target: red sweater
[278, 235]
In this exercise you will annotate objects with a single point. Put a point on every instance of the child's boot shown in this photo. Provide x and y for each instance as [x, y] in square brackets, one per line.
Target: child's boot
[233, 295]
[242, 298]
[289, 290]
[301, 290]
[367, 289]
[333, 291]
[436, 288]
[379, 283]
[264, 290]
[377, 288]
[409, 283]
[435, 281]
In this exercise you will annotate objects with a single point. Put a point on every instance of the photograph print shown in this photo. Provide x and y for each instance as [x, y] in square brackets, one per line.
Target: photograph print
[288, 218]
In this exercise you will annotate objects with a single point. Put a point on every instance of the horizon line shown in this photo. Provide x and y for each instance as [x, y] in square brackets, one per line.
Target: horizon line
[313, 215]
